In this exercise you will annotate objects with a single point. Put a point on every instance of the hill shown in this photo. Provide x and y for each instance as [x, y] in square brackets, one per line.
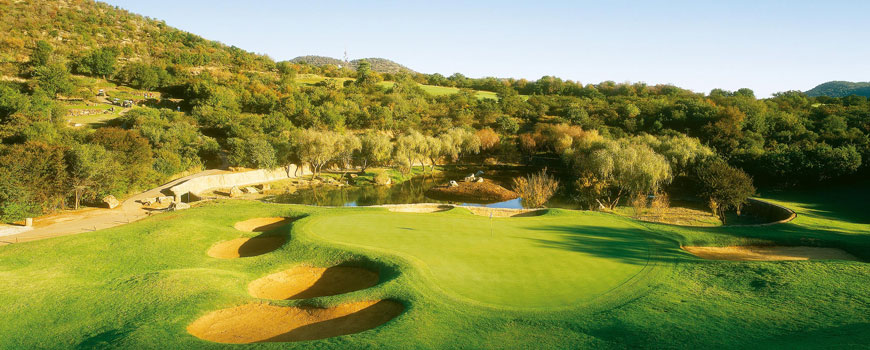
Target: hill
[840, 89]
[381, 65]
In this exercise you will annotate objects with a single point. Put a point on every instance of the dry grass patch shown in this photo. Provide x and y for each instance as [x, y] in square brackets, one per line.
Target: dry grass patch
[773, 253]
[304, 282]
[245, 247]
[253, 323]
[262, 224]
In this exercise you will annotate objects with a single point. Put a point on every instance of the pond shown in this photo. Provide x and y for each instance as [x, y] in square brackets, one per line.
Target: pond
[408, 192]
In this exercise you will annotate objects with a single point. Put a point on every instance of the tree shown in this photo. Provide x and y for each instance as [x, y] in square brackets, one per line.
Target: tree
[488, 138]
[364, 74]
[252, 152]
[315, 147]
[41, 54]
[407, 149]
[93, 172]
[375, 149]
[613, 169]
[507, 125]
[99, 62]
[724, 186]
[54, 78]
[345, 147]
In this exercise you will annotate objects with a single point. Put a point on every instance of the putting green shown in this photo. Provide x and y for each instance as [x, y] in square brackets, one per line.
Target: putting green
[556, 260]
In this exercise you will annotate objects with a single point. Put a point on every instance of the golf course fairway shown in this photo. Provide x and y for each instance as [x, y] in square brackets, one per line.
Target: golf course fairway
[559, 259]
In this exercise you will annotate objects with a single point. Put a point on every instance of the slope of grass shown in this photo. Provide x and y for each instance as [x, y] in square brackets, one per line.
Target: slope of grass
[140, 285]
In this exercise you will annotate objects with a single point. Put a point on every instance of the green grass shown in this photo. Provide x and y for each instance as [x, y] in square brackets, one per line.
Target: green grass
[514, 266]
[563, 280]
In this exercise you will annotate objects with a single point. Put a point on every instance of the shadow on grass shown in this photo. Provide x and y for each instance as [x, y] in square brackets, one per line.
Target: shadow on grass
[629, 245]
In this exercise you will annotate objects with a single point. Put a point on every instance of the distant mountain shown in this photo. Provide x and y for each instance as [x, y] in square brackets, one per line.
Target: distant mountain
[840, 89]
[382, 65]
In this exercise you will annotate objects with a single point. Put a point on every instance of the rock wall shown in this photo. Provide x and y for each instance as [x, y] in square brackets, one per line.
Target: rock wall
[771, 213]
[201, 184]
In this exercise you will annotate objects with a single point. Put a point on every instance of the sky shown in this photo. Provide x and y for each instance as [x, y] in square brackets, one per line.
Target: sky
[767, 46]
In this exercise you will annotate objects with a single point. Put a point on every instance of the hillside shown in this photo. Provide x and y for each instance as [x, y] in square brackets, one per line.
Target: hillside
[73, 27]
[381, 65]
[840, 89]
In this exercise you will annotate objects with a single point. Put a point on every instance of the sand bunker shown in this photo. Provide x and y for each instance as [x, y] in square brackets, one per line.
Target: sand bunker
[503, 212]
[245, 247]
[303, 282]
[418, 208]
[254, 323]
[756, 253]
[262, 224]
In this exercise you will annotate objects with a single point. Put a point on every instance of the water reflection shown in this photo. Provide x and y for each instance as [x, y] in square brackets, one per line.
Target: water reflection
[411, 191]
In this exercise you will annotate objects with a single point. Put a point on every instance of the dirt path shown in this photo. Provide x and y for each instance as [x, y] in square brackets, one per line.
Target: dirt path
[92, 219]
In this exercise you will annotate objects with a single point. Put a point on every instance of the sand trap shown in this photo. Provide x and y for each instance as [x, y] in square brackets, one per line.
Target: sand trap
[254, 323]
[262, 224]
[418, 208]
[756, 253]
[503, 212]
[304, 282]
[245, 247]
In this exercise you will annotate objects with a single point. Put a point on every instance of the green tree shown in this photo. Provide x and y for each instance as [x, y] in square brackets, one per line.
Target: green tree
[54, 78]
[614, 169]
[375, 149]
[252, 153]
[99, 62]
[724, 186]
[41, 54]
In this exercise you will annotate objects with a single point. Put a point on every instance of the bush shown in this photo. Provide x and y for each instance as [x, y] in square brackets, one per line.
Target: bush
[381, 178]
[536, 189]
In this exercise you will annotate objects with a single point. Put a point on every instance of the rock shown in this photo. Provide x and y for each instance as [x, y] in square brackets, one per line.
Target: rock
[264, 187]
[453, 183]
[164, 200]
[479, 179]
[469, 178]
[250, 190]
[111, 201]
[235, 192]
[179, 206]
[353, 176]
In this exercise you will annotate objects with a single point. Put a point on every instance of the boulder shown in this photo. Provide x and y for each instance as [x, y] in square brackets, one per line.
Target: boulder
[164, 199]
[479, 179]
[111, 201]
[453, 183]
[179, 206]
[469, 178]
[148, 201]
[250, 190]
[264, 187]
[235, 192]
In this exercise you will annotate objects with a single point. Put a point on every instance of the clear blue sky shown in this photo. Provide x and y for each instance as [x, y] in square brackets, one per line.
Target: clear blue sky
[767, 46]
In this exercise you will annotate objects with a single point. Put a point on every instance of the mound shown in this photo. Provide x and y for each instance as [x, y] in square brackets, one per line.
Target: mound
[754, 253]
[262, 224]
[254, 323]
[245, 247]
[473, 192]
[304, 282]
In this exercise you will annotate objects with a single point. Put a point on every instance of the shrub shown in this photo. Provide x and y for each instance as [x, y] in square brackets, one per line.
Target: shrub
[536, 189]
[381, 178]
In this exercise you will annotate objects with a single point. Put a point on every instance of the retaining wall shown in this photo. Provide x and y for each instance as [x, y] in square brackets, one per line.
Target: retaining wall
[201, 184]
[772, 213]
